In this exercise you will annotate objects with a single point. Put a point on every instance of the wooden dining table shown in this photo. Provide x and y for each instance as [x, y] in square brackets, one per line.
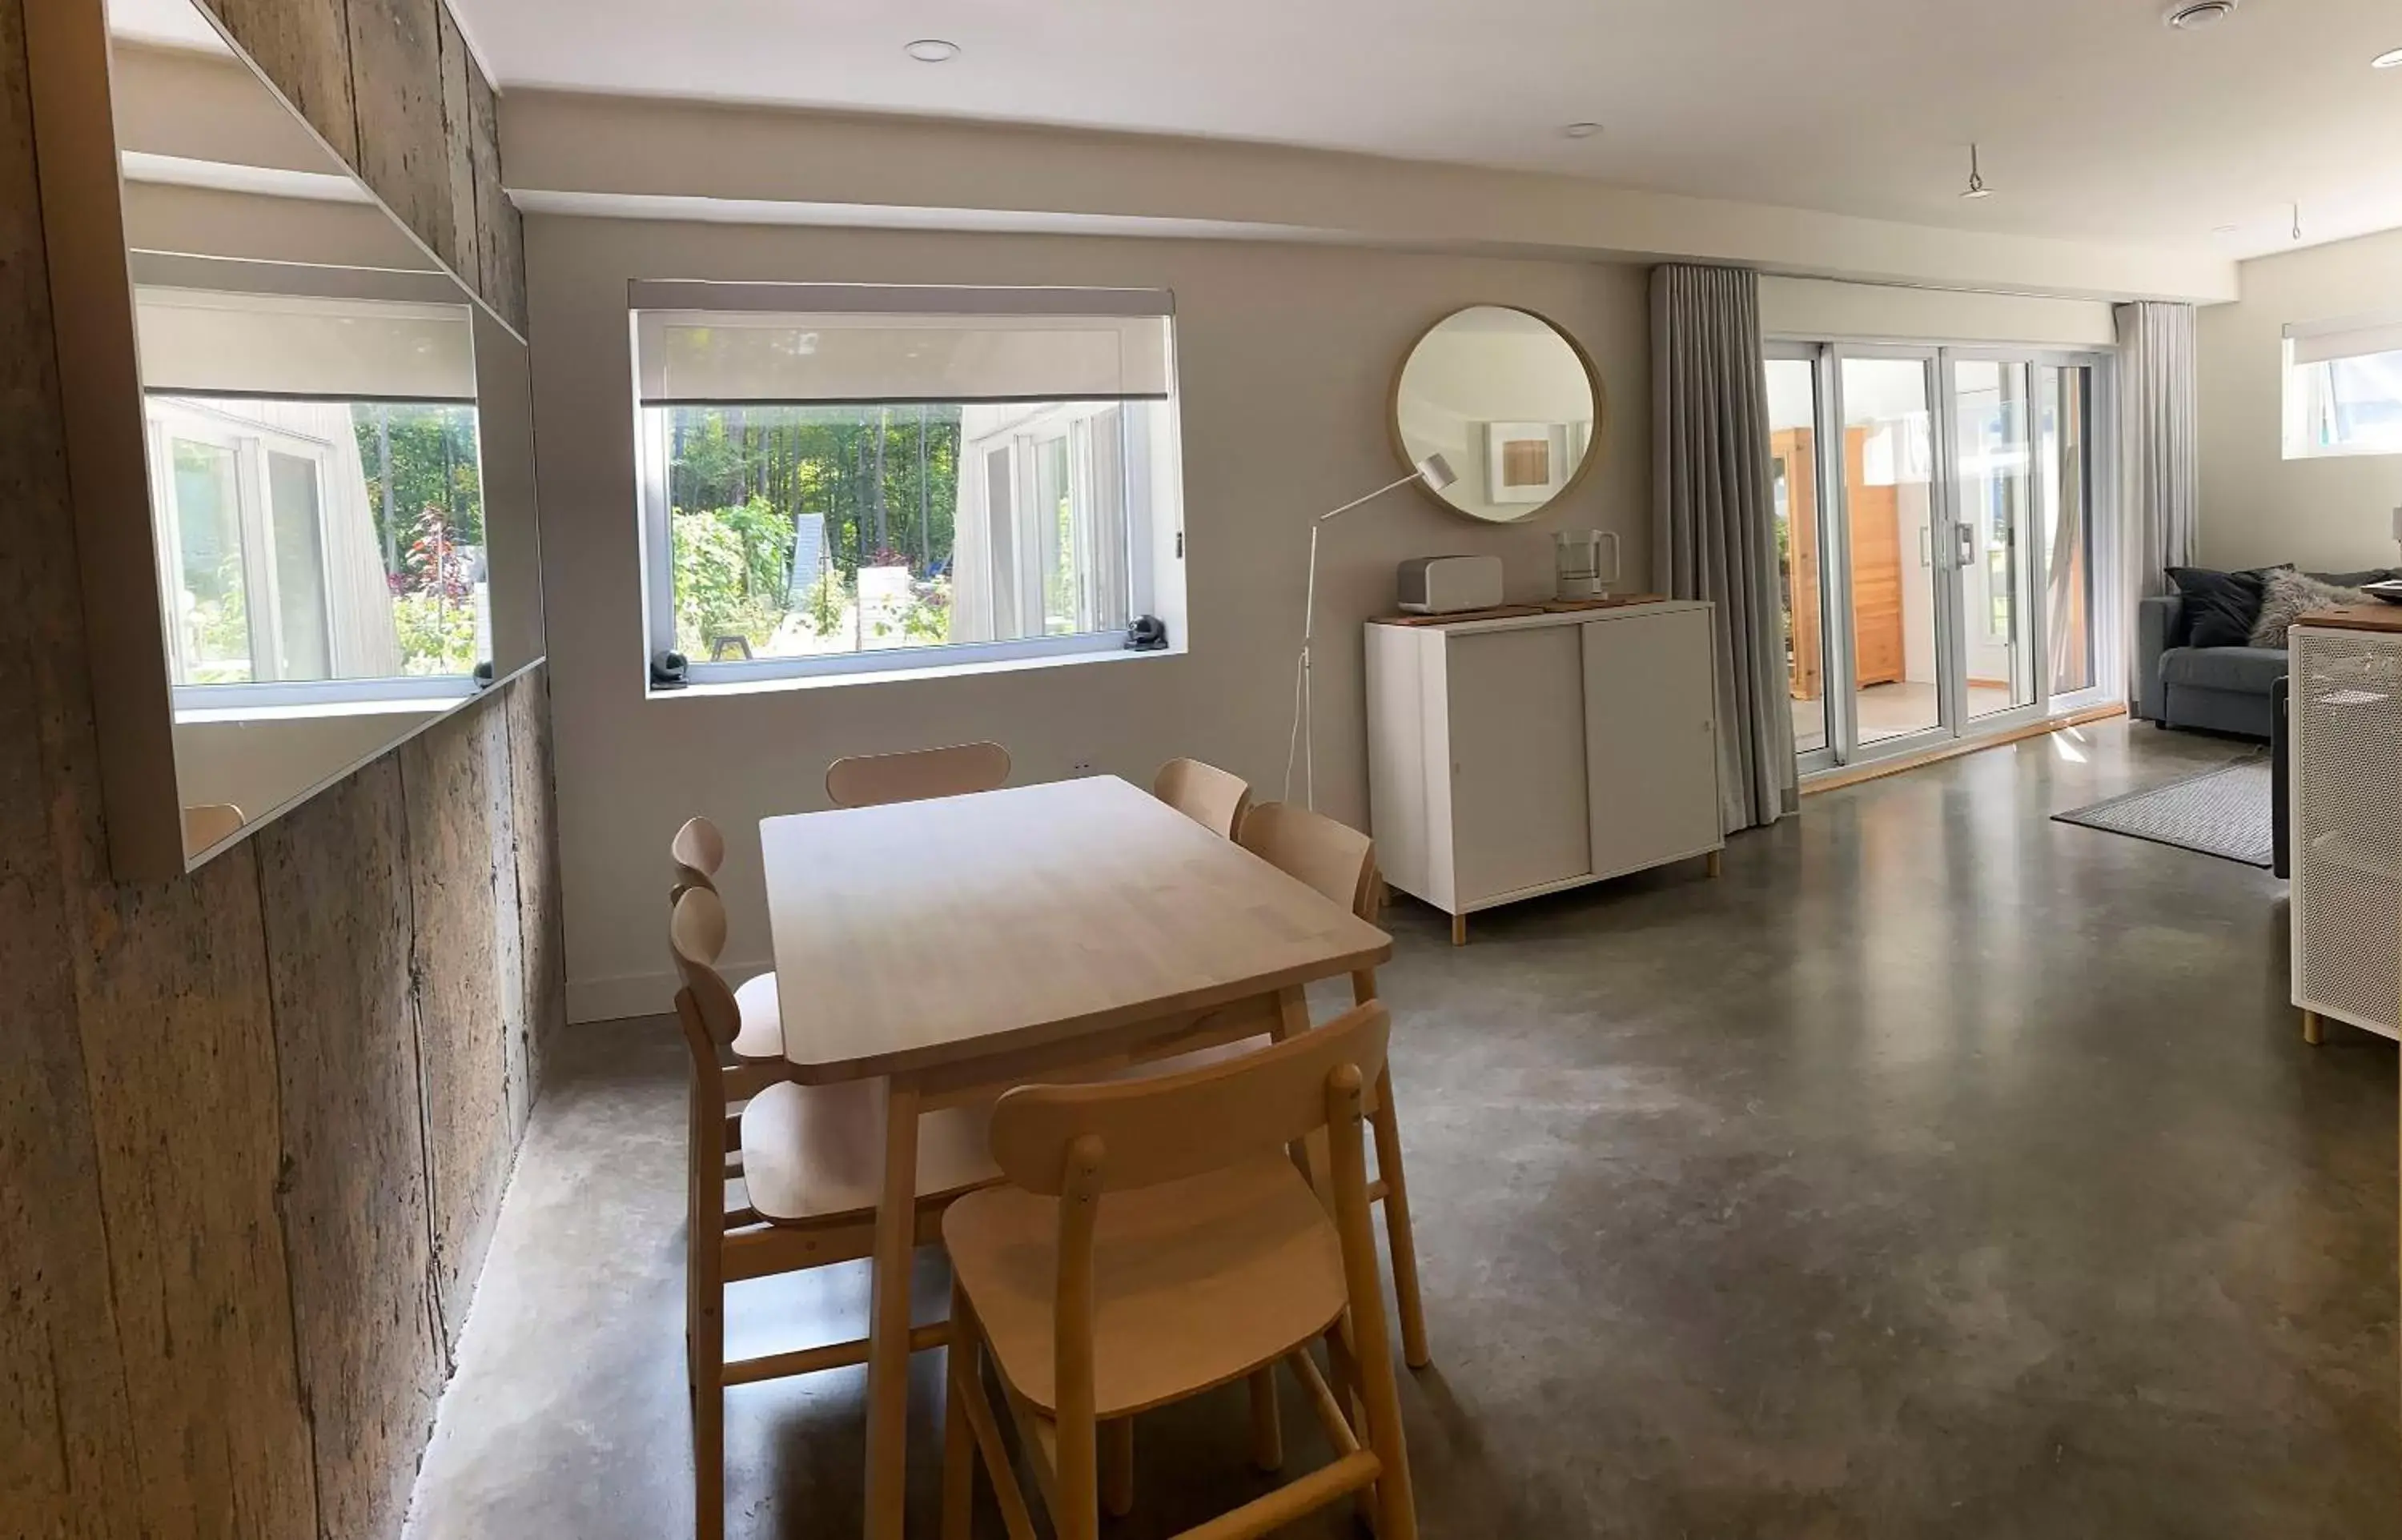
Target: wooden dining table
[945, 950]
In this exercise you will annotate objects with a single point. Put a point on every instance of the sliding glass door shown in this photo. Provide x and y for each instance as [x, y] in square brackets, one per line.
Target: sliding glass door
[1995, 526]
[1936, 530]
[1890, 513]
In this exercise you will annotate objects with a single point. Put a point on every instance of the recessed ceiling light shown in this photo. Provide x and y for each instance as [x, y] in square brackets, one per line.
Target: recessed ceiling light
[2390, 60]
[931, 51]
[2194, 15]
[1581, 131]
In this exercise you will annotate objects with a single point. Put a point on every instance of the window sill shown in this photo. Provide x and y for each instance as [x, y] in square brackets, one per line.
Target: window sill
[321, 699]
[807, 679]
[2357, 451]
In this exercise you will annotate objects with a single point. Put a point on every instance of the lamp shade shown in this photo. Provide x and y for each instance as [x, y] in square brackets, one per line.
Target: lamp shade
[1436, 472]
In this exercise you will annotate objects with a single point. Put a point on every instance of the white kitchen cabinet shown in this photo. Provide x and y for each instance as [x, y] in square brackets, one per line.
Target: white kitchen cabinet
[1525, 754]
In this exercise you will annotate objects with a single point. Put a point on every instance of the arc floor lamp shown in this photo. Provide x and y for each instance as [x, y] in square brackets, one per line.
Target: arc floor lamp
[1436, 473]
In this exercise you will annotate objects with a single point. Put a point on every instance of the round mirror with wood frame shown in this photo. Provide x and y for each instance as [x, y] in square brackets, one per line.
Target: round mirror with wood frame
[1510, 399]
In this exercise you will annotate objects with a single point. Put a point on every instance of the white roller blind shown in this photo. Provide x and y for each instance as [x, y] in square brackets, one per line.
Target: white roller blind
[209, 342]
[2321, 341]
[901, 345]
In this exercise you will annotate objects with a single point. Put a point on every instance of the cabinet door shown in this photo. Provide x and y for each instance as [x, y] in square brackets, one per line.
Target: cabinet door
[1651, 734]
[1515, 704]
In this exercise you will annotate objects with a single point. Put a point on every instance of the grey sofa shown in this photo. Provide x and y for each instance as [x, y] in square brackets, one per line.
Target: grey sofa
[2220, 688]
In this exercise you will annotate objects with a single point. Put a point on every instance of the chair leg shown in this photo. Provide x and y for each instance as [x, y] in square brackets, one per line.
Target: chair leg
[1343, 1378]
[1363, 1286]
[705, 1357]
[1397, 1516]
[1400, 1238]
[1117, 1466]
[1267, 1429]
[962, 1361]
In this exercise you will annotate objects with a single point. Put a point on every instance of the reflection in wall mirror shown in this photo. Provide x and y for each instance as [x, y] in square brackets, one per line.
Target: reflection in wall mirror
[335, 442]
[1509, 400]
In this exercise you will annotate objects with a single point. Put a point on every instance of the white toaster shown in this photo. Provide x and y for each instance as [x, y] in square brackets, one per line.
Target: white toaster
[1443, 585]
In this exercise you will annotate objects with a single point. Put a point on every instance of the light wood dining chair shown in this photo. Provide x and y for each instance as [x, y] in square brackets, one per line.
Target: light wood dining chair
[1156, 1241]
[1210, 797]
[871, 781]
[811, 1169]
[1340, 862]
[698, 849]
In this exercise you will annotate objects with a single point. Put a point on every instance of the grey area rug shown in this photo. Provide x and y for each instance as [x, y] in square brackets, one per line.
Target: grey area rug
[2224, 812]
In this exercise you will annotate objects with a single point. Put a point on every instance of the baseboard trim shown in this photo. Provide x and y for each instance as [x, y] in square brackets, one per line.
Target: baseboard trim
[1852, 774]
[615, 997]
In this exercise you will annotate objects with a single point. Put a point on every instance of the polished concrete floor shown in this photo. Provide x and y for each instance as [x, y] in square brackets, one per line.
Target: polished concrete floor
[1939, 1170]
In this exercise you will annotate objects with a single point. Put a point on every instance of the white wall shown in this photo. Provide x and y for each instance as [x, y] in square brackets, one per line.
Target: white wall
[1287, 358]
[1815, 309]
[2257, 507]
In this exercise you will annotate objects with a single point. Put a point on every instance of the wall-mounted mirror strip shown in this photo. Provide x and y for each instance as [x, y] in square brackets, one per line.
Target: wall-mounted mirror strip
[300, 449]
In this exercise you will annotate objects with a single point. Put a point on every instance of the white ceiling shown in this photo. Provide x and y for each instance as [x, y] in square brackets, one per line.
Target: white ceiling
[2097, 121]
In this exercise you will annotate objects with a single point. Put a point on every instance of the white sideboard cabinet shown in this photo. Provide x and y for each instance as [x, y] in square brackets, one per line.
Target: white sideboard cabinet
[2344, 738]
[1523, 754]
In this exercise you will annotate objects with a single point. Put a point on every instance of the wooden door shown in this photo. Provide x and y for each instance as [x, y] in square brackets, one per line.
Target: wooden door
[1651, 739]
[1875, 529]
[1516, 705]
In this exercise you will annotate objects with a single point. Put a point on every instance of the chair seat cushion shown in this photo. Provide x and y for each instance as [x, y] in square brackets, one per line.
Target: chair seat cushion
[2251, 671]
[812, 1153]
[1196, 1282]
[761, 1036]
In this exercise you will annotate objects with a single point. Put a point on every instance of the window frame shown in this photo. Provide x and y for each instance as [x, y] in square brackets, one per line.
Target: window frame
[171, 418]
[1138, 464]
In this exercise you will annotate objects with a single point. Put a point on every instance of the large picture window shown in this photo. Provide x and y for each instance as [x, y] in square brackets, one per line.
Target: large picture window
[895, 485]
[2344, 388]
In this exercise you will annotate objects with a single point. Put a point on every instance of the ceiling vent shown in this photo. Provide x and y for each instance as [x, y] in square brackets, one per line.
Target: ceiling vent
[2194, 15]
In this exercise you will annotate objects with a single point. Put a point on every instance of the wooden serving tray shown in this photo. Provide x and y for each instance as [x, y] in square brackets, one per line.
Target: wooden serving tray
[1511, 612]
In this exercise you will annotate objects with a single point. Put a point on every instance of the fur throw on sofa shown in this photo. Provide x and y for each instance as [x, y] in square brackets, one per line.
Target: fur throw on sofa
[2286, 596]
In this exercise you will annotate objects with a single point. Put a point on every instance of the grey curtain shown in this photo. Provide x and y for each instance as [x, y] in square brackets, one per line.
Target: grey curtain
[2158, 440]
[1713, 526]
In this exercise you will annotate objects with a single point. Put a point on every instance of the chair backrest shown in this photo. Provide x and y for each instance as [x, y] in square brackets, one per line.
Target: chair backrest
[697, 934]
[698, 849]
[871, 781]
[1335, 858]
[1157, 1130]
[209, 823]
[1210, 797]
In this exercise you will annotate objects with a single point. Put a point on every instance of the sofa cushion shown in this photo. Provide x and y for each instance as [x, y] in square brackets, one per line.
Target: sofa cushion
[2248, 670]
[2221, 607]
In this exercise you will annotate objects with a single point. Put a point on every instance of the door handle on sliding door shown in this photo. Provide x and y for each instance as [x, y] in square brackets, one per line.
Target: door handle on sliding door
[1965, 544]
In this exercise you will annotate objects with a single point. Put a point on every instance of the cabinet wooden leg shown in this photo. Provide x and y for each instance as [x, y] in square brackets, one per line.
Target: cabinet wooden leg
[2313, 1028]
[1459, 930]
[1714, 862]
